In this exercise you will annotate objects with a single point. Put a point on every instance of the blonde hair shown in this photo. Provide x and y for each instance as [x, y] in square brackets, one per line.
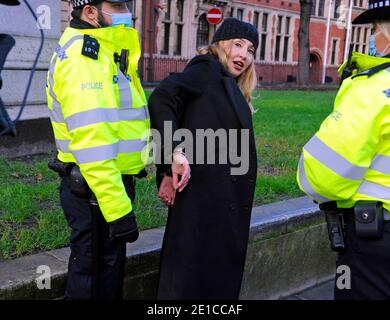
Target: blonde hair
[247, 81]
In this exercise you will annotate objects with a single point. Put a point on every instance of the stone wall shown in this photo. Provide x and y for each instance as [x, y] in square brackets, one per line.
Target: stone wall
[19, 22]
[288, 251]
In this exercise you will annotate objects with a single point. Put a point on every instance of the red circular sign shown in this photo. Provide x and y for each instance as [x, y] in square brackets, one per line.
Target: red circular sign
[214, 15]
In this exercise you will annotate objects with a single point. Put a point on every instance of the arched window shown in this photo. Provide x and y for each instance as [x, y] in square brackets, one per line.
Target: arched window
[202, 38]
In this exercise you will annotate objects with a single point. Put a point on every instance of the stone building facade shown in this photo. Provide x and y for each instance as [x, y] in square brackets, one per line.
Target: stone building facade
[172, 30]
[19, 22]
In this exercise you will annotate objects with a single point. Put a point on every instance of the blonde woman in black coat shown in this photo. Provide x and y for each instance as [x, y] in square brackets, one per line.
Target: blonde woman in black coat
[205, 242]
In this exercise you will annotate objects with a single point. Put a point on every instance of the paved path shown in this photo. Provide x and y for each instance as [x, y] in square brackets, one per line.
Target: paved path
[320, 292]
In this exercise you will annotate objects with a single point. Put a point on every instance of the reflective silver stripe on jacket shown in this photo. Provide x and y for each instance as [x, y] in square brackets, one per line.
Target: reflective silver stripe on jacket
[56, 113]
[101, 153]
[332, 160]
[97, 115]
[374, 190]
[306, 186]
[381, 163]
[134, 114]
[126, 99]
[63, 145]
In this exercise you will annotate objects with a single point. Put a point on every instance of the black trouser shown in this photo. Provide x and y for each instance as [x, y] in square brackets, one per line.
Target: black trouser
[369, 262]
[112, 255]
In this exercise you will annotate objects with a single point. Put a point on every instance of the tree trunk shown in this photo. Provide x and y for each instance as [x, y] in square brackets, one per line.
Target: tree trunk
[304, 42]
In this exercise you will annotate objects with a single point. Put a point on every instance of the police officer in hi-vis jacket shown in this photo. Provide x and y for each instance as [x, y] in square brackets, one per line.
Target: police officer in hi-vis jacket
[345, 167]
[99, 117]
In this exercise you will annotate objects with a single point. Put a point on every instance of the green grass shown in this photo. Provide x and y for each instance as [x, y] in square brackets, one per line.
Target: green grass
[284, 122]
[31, 218]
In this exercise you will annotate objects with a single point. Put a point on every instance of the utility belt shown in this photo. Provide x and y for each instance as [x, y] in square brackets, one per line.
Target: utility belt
[71, 173]
[368, 217]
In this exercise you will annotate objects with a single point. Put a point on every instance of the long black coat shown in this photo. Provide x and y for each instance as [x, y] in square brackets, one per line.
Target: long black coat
[206, 237]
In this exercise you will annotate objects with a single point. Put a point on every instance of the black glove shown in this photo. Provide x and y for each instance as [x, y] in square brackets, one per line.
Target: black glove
[124, 229]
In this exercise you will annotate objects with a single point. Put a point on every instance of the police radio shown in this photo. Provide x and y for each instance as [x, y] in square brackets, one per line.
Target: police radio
[335, 224]
[7, 126]
[350, 67]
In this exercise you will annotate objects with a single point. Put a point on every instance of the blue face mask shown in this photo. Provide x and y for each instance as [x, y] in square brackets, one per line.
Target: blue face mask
[121, 18]
[372, 50]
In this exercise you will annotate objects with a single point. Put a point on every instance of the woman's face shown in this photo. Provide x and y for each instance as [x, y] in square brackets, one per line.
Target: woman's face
[240, 57]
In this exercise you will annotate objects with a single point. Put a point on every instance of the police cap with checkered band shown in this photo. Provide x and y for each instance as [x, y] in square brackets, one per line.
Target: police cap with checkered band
[10, 2]
[377, 10]
[77, 4]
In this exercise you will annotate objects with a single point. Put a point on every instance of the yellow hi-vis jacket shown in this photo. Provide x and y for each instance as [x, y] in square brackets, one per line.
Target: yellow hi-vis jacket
[99, 114]
[348, 159]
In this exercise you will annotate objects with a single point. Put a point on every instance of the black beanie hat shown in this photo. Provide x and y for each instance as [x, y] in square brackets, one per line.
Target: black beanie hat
[233, 28]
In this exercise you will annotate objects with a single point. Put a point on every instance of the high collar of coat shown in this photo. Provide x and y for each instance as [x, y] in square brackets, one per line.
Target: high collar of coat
[211, 59]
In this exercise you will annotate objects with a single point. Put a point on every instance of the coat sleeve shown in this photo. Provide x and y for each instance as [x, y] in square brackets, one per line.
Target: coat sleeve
[335, 160]
[166, 106]
[94, 146]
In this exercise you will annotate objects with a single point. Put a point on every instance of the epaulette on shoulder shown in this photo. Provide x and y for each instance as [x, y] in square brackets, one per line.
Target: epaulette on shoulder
[90, 47]
[370, 72]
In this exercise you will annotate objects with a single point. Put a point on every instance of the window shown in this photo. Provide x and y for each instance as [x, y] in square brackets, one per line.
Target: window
[264, 36]
[280, 20]
[318, 8]
[278, 38]
[286, 38]
[256, 18]
[202, 38]
[364, 40]
[313, 8]
[180, 10]
[334, 52]
[277, 48]
[359, 39]
[285, 51]
[282, 38]
[179, 37]
[166, 27]
[357, 45]
[287, 30]
[168, 5]
[240, 14]
[263, 46]
[264, 25]
[359, 3]
[179, 26]
[337, 8]
[165, 48]
[321, 8]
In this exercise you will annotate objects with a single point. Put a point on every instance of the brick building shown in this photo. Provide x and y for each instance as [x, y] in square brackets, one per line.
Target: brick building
[172, 30]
